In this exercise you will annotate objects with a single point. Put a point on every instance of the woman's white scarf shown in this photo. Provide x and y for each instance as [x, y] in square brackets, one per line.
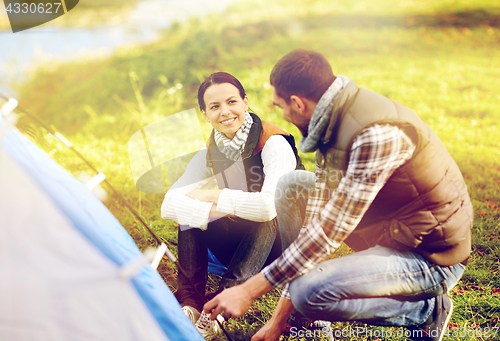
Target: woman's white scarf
[233, 148]
[321, 115]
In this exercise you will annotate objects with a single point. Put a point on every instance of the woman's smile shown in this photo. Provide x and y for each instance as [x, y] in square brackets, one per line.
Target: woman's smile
[229, 121]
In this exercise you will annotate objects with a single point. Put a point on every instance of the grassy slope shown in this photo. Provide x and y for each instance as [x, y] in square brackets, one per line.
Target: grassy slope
[440, 58]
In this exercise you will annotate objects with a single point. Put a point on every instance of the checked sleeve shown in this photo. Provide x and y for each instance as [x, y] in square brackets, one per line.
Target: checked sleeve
[375, 154]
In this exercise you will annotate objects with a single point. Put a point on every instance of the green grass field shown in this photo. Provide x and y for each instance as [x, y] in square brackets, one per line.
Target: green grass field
[440, 58]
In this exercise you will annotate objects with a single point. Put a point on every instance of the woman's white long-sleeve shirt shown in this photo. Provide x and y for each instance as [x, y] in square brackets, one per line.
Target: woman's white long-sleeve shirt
[278, 159]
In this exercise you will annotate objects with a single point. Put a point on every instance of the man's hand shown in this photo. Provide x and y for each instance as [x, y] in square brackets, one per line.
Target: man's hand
[277, 324]
[231, 303]
[270, 332]
[235, 301]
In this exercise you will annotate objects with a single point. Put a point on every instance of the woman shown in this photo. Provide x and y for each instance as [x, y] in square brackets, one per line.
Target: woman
[236, 221]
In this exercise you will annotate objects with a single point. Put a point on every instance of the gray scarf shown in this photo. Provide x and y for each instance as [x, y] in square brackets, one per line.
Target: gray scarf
[321, 115]
[233, 148]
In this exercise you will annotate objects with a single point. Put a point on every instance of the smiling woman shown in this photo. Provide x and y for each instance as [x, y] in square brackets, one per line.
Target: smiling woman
[226, 109]
[237, 221]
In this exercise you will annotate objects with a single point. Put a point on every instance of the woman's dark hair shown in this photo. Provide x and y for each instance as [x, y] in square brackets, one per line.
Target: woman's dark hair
[302, 73]
[218, 78]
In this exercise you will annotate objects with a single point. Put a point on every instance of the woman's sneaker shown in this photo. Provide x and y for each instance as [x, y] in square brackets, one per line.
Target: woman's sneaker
[192, 313]
[208, 328]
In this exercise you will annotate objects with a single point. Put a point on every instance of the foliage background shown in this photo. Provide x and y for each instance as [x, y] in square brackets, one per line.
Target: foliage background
[440, 58]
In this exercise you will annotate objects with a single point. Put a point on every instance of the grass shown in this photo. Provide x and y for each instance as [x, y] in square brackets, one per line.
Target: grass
[440, 58]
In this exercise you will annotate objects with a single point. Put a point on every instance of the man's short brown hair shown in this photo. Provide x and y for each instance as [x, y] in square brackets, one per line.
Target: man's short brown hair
[302, 73]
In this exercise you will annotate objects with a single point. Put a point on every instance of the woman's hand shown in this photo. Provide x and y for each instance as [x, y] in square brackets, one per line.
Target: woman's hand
[214, 214]
[207, 195]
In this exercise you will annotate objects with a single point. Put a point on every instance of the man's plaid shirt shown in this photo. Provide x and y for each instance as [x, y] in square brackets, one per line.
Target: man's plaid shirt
[375, 154]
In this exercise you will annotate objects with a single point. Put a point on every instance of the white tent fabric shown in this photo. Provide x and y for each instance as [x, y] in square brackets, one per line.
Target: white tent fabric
[55, 285]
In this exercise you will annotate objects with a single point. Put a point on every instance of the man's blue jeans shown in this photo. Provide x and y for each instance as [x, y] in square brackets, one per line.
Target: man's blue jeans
[379, 286]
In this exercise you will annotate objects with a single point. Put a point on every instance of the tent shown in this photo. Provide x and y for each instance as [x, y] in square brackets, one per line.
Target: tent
[62, 255]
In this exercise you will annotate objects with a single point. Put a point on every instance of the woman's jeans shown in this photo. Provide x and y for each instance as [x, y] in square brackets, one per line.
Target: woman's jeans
[243, 246]
[379, 286]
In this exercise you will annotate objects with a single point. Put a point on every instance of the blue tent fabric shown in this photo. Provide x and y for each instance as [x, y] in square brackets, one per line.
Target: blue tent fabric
[96, 223]
[56, 285]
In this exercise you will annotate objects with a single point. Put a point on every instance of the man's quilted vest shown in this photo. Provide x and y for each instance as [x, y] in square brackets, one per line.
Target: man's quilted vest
[424, 207]
[248, 173]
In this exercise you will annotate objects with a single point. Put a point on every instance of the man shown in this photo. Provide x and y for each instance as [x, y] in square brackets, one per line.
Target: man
[384, 184]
